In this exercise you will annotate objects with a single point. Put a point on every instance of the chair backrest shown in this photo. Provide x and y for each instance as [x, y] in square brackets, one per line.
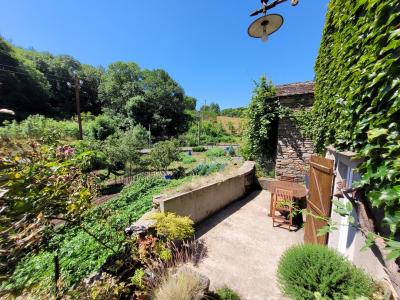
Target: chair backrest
[282, 194]
[287, 178]
[284, 200]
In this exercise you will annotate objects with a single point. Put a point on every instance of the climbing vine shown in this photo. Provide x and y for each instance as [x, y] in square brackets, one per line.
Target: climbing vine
[262, 124]
[357, 103]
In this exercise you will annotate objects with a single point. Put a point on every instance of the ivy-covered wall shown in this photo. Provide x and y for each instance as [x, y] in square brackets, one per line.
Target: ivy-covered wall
[357, 103]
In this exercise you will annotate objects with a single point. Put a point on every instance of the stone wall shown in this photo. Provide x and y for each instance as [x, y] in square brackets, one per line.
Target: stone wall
[293, 150]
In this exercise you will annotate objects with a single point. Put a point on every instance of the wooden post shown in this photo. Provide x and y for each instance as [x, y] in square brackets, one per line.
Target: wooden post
[78, 105]
[56, 274]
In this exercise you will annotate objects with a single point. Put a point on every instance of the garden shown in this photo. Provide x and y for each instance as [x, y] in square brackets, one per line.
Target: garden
[71, 185]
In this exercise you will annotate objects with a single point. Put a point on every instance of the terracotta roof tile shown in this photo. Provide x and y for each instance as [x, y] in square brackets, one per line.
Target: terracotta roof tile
[297, 88]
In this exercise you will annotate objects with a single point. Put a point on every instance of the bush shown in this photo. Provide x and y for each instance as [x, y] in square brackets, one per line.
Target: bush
[198, 149]
[226, 293]
[207, 169]
[172, 226]
[215, 152]
[181, 286]
[308, 269]
[102, 127]
[186, 159]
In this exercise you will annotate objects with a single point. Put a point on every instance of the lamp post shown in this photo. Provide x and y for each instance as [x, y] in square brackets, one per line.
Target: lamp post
[267, 24]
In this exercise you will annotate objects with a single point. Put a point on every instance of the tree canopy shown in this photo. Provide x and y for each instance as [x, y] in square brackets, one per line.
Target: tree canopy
[33, 82]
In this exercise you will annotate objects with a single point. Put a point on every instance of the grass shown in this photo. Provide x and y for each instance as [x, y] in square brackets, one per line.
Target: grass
[80, 255]
[180, 286]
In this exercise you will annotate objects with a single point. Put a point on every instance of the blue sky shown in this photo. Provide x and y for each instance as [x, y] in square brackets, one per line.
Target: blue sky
[202, 44]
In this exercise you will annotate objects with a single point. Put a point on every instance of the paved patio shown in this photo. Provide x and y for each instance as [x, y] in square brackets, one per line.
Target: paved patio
[243, 248]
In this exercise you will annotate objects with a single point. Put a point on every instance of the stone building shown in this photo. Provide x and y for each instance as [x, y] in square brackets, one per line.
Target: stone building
[293, 149]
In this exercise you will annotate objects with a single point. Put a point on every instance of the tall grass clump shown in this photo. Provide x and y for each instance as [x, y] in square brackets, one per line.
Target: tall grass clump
[305, 271]
[180, 286]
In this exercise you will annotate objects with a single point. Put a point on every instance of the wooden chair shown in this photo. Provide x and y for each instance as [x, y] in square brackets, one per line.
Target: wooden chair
[283, 204]
[287, 178]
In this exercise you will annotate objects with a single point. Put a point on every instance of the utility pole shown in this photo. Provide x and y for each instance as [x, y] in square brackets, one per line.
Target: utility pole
[149, 137]
[198, 129]
[78, 104]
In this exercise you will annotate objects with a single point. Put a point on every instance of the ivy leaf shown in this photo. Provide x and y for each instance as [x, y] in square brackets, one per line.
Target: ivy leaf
[376, 133]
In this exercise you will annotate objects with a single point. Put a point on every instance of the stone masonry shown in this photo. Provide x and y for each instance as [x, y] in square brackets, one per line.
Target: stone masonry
[293, 150]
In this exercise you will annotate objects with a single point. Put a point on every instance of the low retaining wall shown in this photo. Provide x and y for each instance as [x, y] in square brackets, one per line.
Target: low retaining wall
[204, 201]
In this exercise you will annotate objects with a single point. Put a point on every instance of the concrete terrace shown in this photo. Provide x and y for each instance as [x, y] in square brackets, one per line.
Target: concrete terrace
[243, 248]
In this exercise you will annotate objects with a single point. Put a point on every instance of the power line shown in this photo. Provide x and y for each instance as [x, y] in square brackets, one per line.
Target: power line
[55, 80]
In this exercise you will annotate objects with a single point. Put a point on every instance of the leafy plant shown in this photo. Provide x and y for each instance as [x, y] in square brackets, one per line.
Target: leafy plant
[226, 293]
[173, 227]
[137, 278]
[38, 184]
[306, 269]
[215, 152]
[206, 169]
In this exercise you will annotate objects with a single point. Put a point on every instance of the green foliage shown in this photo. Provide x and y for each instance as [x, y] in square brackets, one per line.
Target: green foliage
[37, 83]
[172, 227]
[38, 184]
[262, 123]
[137, 278]
[239, 112]
[163, 154]
[45, 130]
[187, 159]
[79, 253]
[102, 127]
[206, 169]
[215, 152]
[199, 149]
[145, 97]
[211, 133]
[226, 293]
[306, 269]
[357, 103]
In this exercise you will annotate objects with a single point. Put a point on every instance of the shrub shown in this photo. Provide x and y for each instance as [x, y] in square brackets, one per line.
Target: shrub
[181, 286]
[226, 293]
[186, 159]
[207, 169]
[215, 152]
[102, 127]
[137, 278]
[172, 226]
[308, 269]
[198, 149]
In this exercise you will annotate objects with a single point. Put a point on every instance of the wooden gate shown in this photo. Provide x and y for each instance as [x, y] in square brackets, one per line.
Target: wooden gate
[319, 199]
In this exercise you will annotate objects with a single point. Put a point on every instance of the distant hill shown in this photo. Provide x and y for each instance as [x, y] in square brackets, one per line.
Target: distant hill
[232, 125]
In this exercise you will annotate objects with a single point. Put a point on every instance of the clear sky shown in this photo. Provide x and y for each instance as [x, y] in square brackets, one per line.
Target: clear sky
[202, 44]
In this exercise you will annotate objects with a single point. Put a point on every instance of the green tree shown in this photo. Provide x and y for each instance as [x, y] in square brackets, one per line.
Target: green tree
[24, 89]
[163, 154]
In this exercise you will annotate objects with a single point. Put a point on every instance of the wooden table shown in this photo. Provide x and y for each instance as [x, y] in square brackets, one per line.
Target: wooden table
[298, 190]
